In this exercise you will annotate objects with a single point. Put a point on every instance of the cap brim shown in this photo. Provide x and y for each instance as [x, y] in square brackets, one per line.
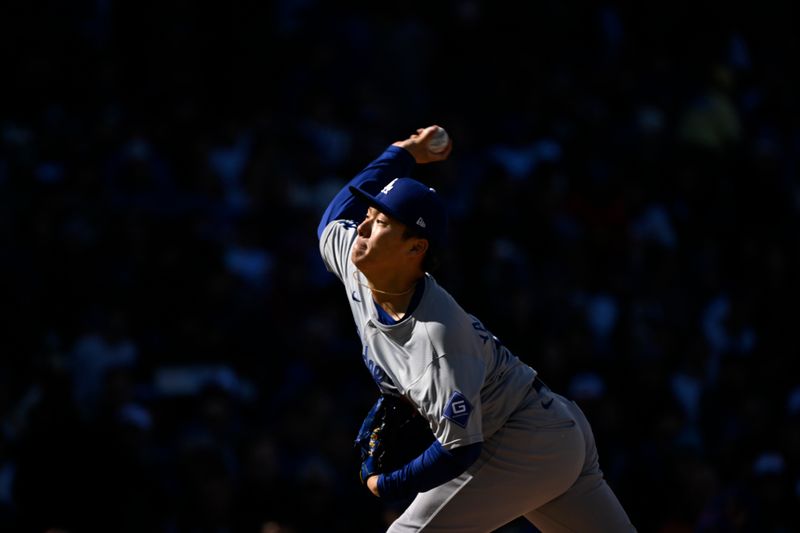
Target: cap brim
[377, 204]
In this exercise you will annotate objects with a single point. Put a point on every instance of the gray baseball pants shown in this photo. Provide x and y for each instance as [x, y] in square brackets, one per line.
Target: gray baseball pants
[542, 464]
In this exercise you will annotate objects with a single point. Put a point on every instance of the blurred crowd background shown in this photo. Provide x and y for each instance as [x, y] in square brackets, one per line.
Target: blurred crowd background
[625, 205]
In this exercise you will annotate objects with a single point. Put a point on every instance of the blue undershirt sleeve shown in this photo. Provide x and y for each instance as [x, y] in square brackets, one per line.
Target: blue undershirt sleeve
[394, 162]
[432, 468]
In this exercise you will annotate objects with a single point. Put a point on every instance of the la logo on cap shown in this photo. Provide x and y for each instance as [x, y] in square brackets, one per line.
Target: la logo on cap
[389, 187]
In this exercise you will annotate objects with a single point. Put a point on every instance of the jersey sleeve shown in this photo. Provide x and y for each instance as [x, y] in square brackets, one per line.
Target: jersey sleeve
[334, 246]
[394, 162]
[450, 390]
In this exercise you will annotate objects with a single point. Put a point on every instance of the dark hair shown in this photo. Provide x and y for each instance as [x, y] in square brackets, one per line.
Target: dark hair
[432, 259]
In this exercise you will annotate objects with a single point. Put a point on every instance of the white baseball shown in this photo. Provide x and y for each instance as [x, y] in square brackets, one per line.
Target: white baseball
[438, 141]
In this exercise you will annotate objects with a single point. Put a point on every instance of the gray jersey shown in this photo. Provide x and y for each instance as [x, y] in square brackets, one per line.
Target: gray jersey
[457, 374]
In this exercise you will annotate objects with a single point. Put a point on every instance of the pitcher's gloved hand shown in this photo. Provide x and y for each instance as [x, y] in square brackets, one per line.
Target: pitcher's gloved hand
[391, 435]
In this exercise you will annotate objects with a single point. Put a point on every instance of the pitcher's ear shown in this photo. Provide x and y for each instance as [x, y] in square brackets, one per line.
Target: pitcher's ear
[420, 246]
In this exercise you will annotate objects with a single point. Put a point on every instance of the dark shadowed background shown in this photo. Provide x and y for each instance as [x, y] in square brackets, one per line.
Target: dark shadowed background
[625, 205]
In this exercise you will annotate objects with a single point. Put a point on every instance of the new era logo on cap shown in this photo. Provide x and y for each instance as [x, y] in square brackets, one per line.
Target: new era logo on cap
[420, 222]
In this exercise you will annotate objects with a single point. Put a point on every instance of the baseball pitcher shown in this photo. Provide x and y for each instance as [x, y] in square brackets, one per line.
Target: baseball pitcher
[502, 444]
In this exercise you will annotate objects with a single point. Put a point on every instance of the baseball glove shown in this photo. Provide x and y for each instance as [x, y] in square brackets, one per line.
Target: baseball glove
[392, 434]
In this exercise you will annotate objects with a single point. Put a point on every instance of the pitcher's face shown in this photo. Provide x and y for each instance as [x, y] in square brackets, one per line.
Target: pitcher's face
[380, 244]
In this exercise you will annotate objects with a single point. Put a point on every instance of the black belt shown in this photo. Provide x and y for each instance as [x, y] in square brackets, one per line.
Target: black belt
[538, 384]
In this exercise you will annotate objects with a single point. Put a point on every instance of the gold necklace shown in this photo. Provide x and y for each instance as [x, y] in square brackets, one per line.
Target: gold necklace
[387, 293]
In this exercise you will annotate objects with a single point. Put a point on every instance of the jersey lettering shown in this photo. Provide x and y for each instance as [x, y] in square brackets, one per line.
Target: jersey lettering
[485, 335]
[349, 224]
[479, 327]
[378, 374]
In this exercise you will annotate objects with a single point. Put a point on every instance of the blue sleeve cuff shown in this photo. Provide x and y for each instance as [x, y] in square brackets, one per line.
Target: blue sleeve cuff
[432, 468]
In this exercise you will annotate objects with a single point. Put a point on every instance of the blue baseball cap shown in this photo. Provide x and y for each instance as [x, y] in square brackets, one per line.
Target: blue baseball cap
[412, 203]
